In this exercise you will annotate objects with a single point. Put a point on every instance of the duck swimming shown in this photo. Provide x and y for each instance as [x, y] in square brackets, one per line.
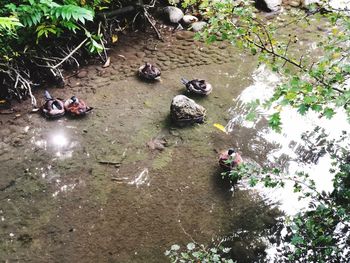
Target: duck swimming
[230, 159]
[76, 107]
[149, 71]
[52, 108]
[197, 86]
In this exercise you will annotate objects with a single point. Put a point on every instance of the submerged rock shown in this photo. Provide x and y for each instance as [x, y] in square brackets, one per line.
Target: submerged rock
[198, 26]
[186, 111]
[173, 13]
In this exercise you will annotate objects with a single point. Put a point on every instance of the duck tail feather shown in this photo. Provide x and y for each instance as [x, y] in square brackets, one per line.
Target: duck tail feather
[184, 81]
[47, 95]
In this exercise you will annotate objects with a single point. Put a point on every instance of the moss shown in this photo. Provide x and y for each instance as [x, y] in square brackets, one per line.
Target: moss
[163, 159]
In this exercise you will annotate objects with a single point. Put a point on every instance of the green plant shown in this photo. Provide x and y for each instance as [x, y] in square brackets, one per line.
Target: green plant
[9, 23]
[198, 253]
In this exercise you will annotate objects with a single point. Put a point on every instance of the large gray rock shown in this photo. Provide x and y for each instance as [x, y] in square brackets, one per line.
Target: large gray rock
[198, 26]
[186, 111]
[189, 19]
[306, 3]
[274, 5]
[173, 13]
[269, 5]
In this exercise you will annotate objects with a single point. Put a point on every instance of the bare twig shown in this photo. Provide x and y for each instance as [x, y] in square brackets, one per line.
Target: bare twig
[148, 17]
[70, 54]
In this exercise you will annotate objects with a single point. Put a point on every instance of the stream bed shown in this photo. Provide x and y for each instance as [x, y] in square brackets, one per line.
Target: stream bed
[92, 190]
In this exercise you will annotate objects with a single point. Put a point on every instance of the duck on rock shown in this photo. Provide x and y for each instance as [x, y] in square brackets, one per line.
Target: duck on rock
[52, 108]
[149, 72]
[230, 159]
[76, 107]
[197, 86]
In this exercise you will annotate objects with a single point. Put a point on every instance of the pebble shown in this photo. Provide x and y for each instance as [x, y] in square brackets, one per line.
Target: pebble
[184, 35]
[82, 74]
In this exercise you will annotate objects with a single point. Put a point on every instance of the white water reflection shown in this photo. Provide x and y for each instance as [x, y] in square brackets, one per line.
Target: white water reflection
[59, 140]
[290, 145]
[289, 141]
[58, 143]
[141, 178]
[64, 189]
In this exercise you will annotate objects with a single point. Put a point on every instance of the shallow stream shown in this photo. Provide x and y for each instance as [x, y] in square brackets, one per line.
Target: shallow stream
[92, 190]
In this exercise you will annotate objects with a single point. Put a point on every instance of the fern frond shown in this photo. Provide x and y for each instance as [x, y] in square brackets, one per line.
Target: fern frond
[9, 22]
[69, 12]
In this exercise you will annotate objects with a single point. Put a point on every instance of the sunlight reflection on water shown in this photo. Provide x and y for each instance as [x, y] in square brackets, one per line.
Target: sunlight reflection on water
[141, 178]
[288, 143]
[289, 140]
[57, 142]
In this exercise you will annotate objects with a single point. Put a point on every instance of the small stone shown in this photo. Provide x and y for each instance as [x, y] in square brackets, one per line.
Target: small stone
[82, 74]
[140, 54]
[157, 144]
[184, 35]
[294, 3]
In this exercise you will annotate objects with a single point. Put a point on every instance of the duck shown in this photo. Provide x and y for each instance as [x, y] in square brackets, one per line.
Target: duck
[149, 72]
[197, 86]
[76, 107]
[230, 159]
[52, 108]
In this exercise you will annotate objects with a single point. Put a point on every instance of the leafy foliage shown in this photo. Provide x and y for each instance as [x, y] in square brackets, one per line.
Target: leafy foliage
[9, 23]
[320, 234]
[198, 253]
[34, 31]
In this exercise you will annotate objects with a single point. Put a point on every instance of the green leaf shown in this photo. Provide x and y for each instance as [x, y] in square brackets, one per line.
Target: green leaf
[73, 12]
[328, 113]
[191, 246]
[175, 247]
[275, 121]
[303, 108]
[9, 23]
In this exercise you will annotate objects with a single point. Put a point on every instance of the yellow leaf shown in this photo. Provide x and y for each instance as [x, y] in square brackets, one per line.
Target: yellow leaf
[220, 127]
[337, 69]
[82, 2]
[278, 108]
[114, 38]
[335, 31]
[336, 55]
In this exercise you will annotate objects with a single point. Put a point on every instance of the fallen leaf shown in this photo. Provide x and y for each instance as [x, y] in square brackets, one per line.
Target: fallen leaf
[114, 38]
[220, 127]
[108, 62]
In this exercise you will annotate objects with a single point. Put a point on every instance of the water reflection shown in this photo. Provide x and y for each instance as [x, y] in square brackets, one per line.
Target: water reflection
[301, 144]
[141, 178]
[59, 140]
[58, 143]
